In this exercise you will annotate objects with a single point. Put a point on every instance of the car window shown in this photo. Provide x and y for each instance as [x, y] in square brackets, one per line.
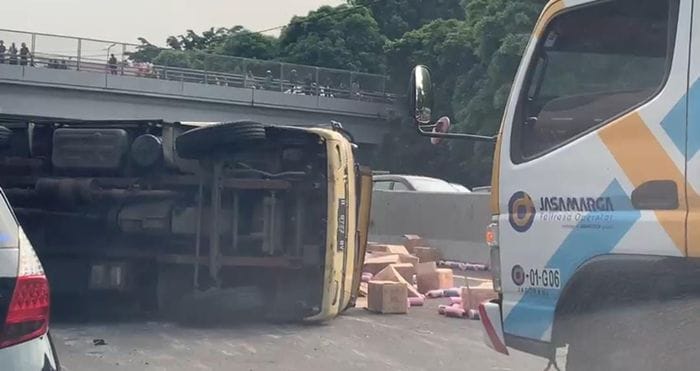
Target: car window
[398, 186]
[383, 185]
[432, 185]
[8, 225]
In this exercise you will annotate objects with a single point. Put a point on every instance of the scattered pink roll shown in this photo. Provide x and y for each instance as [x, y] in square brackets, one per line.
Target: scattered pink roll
[366, 276]
[473, 314]
[434, 293]
[456, 300]
[442, 309]
[456, 312]
[451, 293]
[416, 302]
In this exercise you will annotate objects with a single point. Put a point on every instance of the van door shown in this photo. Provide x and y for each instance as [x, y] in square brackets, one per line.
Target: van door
[693, 142]
[592, 153]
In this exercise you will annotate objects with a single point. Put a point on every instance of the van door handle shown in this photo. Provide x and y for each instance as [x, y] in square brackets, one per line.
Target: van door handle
[656, 195]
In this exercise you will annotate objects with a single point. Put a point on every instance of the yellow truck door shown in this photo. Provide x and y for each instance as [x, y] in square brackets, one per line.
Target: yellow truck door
[364, 203]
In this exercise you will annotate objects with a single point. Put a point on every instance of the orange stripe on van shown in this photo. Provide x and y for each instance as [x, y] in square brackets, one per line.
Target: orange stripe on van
[642, 158]
[552, 8]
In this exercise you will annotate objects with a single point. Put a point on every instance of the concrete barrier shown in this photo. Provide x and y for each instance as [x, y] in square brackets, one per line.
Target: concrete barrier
[452, 222]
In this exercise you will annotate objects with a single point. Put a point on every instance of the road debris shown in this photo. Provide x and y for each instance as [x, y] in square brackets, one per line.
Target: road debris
[98, 342]
[387, 297]
[397, 277]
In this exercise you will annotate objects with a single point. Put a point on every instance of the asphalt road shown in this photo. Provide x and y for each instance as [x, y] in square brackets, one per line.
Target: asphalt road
[357, 340]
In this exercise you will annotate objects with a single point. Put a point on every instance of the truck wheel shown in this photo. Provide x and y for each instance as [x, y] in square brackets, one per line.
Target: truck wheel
[197, 142]
[632, 337]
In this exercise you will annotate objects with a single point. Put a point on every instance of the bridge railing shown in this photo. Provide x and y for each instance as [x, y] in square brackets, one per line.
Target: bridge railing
[84, 54]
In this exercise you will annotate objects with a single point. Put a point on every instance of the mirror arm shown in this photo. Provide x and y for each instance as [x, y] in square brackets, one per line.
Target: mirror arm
[477, 138]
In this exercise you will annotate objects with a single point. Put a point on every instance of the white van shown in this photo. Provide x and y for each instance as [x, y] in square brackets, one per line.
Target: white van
[595, 192]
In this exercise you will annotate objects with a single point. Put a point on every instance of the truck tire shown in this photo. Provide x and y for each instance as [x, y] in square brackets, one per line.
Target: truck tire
[198, 142]
[642, 337]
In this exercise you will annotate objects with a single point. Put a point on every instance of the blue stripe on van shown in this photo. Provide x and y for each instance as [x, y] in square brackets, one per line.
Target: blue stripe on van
[674, 123]
[693, 117]
[534, 312]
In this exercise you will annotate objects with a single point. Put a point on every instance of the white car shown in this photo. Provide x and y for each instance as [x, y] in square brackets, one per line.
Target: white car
[395, 182]
[25, 343]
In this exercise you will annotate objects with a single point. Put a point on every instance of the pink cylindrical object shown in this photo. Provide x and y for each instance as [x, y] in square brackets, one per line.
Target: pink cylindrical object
[442, 309]
[456, 312]
[450, 293]
[456, 300]
[416, 302]
[434, 293]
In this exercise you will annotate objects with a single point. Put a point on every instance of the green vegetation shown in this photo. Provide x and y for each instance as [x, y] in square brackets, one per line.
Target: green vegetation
[473, 48]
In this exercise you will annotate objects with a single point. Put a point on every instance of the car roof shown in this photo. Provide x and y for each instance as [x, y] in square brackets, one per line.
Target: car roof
[406, 177]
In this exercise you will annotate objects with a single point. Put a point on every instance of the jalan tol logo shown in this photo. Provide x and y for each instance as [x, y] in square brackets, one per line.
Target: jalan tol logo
[521, 211]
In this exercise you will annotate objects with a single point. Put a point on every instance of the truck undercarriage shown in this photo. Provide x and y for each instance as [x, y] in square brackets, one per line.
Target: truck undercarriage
[112, 205]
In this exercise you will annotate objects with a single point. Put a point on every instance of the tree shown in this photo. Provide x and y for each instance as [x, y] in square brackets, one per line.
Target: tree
[144, 52]
[240, 42]
[396, 17]
[173, 58]
[338, 37]
[209, 40]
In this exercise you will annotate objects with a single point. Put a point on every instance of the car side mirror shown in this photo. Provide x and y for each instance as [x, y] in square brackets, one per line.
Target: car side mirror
[421, 96]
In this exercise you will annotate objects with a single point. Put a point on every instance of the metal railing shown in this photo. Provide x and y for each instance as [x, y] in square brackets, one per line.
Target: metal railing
[84, 54]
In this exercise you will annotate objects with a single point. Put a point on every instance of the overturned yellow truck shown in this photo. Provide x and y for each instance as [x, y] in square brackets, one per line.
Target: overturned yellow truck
[160, 211]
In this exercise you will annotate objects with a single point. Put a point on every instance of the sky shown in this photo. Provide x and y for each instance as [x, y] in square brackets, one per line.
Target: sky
[125, 20]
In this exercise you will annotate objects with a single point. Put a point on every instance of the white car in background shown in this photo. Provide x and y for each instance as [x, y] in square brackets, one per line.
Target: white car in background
[396, 182]
[25, 343]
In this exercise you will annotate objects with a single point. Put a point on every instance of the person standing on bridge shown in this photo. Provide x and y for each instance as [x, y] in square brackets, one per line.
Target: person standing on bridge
[3, 49]
[13, 54]
[23, 54]
[112, 64]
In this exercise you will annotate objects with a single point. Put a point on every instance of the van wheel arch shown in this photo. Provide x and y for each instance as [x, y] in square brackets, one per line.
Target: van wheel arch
[609, 281]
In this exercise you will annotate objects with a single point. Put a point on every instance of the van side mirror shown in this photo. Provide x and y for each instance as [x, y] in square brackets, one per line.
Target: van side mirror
[421, 109]
[421, 95]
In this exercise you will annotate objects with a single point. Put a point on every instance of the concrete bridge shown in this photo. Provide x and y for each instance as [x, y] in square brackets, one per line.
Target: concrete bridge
[72, 86]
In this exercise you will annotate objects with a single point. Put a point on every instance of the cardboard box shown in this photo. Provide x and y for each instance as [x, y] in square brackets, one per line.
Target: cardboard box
[409, 259]
[423, 268]
[426, 254]
[397, 249]
[472, 296]
[403, 258]
[387, 297]
[363, 289]
[406, 270]
[437, 279]
[375, 247]
[412, 240]
[375, 265]
[391, 274]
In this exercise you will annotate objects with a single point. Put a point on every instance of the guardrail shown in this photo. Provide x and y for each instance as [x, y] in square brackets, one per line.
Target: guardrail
[83, 54]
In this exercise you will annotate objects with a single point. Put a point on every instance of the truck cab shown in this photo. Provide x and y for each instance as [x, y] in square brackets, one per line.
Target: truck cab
[594, 238]
[185, 217]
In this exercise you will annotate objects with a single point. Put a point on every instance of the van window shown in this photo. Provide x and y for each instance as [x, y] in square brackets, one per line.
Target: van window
[592, 64]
